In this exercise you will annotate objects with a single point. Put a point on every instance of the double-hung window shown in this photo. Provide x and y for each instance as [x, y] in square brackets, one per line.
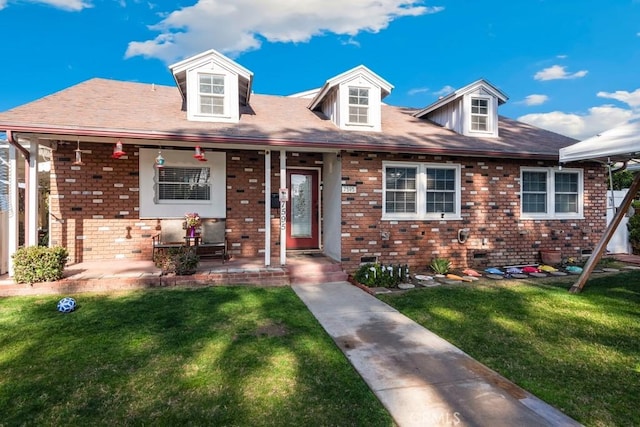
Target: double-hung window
[211, 94]
[175, 184]
[480, 114]
[421, 191]
[358, 105]
[551, 193]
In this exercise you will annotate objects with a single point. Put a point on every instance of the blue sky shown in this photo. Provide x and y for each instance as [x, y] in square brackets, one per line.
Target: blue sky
[572, 66]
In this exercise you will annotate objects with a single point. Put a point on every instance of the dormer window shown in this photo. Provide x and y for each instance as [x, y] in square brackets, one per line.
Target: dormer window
[471, 110]
[358, 105]
[213, 87]
[211, 94]
[479, 114]
[352, 100]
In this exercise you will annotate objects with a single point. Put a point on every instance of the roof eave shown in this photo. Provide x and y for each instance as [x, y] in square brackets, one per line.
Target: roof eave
[50, 132]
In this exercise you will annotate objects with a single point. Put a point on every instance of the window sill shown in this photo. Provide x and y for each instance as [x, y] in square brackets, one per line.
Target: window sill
[446, 217]
[551, 217]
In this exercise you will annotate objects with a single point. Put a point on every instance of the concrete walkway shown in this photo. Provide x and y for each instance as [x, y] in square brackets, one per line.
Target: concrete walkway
[420, 378]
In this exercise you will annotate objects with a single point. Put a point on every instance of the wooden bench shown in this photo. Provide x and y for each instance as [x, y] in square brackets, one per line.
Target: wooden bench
[171, 235]
[213, 238]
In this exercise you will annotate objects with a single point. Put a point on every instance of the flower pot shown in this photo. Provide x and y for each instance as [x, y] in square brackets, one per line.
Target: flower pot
[551, 257]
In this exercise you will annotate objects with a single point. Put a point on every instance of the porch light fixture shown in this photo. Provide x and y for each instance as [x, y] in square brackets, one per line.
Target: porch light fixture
[159, 163]
[78, 161]
[117, 150]
[199, 154]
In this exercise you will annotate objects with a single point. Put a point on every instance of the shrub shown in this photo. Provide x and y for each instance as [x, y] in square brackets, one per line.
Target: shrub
[39, 264]
[181, 261]
[440, 265]
[634, 228]
[378, 275]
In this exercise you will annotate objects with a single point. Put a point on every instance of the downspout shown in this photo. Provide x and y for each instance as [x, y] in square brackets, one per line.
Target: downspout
[16, 144]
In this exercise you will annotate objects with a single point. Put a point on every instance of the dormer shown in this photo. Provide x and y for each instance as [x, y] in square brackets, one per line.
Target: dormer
[471, 110]
[352, 99]
[213, 87]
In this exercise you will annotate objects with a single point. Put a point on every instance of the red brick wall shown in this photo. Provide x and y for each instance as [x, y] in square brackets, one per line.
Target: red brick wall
[94, 207]
[94, 211]
[490, 210]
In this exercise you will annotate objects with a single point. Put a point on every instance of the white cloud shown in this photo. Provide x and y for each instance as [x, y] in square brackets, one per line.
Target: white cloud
[630, 98]
[535, 99]
[446, 90]
[69, 5]
[558, 72]
[580, 126]
[235, 26]
[418, 90]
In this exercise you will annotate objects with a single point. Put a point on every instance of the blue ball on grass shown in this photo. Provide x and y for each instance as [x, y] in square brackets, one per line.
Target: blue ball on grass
[66, 305]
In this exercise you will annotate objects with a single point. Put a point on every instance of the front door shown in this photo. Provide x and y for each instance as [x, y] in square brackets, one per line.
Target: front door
[302, 209]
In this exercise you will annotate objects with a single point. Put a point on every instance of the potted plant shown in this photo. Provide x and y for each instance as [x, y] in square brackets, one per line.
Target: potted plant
[440, 266]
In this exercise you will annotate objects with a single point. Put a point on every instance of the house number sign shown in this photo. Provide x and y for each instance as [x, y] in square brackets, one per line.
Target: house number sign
[283, 215]
[349, 189]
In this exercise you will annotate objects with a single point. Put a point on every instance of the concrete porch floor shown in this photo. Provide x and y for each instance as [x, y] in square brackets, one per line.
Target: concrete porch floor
[118, 275]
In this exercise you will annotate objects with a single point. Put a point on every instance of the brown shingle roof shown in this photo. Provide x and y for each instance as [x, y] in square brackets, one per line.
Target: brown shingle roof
[111, 108]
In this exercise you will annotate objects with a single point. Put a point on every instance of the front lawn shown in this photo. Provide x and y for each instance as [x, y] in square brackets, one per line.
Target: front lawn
[215, 356]
[578, 352]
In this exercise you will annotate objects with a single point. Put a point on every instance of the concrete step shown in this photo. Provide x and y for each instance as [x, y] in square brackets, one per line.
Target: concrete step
[324, 277]
[315, 272]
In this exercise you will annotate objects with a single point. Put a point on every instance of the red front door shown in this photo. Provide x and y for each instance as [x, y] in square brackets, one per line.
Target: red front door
[302, 209]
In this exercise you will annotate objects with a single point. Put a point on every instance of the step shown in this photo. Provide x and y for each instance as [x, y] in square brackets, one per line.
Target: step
[325, 277]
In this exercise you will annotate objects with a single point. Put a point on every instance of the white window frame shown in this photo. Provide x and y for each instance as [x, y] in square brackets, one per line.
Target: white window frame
[222, 96]
[149, 206]
[158, 181]
[488, 115]
[421, 192]
[366, 107]
[551, 194]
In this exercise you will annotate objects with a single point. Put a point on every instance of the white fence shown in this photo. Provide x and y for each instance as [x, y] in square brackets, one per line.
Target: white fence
[4, 242]
[619, 243]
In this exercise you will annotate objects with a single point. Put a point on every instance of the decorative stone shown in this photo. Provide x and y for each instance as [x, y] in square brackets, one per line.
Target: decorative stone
[406, 286]
[538, 274]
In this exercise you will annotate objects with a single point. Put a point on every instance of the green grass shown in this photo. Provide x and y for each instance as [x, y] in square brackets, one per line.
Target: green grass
[578, 352]
[217, 356]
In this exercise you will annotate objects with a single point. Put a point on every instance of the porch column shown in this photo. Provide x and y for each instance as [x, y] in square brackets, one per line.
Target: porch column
[12, 244]
[283, 208]
[267, 208]
[32, 196]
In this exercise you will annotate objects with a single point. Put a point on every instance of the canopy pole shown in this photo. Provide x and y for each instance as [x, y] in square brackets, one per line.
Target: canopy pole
[604, 240]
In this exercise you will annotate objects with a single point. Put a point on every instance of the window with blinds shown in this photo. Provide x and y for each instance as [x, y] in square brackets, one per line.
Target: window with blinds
[183, 183]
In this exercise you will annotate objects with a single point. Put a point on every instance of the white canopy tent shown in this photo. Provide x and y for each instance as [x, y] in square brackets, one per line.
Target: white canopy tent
[620, 145]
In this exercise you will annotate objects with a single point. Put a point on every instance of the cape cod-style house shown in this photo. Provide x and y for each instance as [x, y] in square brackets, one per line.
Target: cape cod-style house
[332, 169]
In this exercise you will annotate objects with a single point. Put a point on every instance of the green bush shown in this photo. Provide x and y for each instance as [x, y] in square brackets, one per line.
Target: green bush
[39, 264]
[634, 228]
[181, 261]
[378, 275]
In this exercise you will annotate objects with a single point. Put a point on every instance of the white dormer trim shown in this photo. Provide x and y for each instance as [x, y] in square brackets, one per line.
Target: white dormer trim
[212, 65]
[333, 99]
[456, 111]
